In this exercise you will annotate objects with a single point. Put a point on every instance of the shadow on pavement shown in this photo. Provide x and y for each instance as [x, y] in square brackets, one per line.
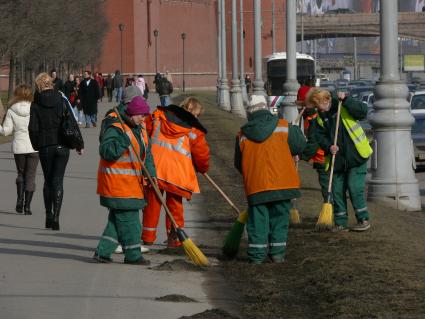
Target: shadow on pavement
[9, 251]
[21, 227]
[72, 236]
[44, 244]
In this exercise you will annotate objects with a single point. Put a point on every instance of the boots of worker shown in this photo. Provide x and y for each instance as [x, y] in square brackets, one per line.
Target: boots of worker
[57, 204]
[20, 188]
[27, 205]
[173, 241]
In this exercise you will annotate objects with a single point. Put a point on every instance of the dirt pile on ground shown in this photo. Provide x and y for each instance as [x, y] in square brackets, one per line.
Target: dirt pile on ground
[211, 314]
[177, 265]
[376, 274]
[175, 298]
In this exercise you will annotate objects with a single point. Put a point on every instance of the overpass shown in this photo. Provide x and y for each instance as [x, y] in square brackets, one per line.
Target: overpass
[410, 25]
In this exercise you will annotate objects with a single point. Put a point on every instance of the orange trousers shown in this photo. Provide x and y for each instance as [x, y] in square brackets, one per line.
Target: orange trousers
[152, 211]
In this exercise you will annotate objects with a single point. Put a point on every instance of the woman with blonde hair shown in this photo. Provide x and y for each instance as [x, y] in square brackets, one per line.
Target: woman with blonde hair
[26, 158]
[48, 111]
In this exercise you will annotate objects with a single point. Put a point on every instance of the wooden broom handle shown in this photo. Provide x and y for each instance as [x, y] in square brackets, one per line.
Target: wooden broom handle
[209, 179]
[334, 144]
[148, 175]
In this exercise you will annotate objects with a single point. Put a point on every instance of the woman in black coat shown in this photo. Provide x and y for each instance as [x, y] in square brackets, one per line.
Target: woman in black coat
[89, 94]
[45, 130]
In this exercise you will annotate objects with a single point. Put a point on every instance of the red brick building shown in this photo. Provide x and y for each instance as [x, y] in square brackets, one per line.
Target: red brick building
[197, 19]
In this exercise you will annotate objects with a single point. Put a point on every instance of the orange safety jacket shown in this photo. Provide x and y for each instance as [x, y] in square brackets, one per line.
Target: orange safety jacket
[268, 165]
[123, 178]
[319, 157]
[172, 154]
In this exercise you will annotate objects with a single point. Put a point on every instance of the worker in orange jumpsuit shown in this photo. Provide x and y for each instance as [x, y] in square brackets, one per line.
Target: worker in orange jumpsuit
[179, 149]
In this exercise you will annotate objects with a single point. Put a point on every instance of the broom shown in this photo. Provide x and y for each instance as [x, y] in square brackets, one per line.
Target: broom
[233, 238]
[294, 214]
[191, 250]
[326, 218]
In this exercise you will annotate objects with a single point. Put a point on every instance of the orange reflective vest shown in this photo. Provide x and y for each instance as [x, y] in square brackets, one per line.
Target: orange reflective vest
[268, 165]
[123, 178]
[319, 157]
[172, 156]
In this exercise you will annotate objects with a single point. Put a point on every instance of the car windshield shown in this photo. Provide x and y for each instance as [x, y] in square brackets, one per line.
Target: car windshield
[418, 102]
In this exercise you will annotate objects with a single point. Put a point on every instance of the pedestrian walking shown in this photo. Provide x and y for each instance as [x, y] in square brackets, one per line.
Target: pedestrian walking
[248, 83]
[2, 112]
[101, 84]
[89, 94]
[47, 115]
[109, 87]
[117, 83]
[140, 83]
[352, 153]
[26, 158]
[78, 108]
[68, 88]
[179, 149]
[58, 83]
[264, 152]
[120, 181]
[164, 88]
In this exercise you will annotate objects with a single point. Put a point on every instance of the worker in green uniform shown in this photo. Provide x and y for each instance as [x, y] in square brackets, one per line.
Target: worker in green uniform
[264, 152]
[120, 179]
[352, 153]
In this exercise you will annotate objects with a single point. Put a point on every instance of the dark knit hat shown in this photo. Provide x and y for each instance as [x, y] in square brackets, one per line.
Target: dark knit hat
[137, 106]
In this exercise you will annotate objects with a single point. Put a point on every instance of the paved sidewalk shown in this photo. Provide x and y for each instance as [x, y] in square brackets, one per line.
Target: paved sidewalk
[50, 274]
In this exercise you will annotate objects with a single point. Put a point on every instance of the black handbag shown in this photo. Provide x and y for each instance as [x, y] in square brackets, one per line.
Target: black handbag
[71, 134]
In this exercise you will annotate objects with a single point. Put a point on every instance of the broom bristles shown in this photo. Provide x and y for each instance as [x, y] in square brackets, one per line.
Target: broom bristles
[194, 253]
[233, 238]
[325, 220]
[295, 218]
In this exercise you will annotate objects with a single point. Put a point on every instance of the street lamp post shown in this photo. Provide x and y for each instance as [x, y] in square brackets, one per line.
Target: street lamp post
[155, 34]
[258, 88]
[121, 27]
[290, 87]
[393, 182]
[243, 84]
[183, 35]
[224, 87]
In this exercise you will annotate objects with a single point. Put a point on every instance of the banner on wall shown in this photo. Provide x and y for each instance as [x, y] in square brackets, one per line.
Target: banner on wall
[414, 62]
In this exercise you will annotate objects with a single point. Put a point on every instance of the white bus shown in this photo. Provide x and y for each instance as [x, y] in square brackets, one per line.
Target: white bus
[275, 72]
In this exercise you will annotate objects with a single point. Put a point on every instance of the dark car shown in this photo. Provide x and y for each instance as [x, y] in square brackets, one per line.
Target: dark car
[418, 137]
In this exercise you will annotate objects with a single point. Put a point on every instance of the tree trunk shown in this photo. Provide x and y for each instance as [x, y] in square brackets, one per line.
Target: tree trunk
[11, 76]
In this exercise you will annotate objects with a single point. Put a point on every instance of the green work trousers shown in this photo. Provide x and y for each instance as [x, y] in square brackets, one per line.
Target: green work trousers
[123, 228]
[267, 228]
[354, 181]
[323, 181]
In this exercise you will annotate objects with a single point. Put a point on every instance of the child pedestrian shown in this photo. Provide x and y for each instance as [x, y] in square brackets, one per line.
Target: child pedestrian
[120, 179]
[263, 154]
[179, 150]
[352, 153]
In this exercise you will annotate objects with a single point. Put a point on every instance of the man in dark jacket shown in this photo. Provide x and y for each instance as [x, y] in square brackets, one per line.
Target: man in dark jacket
[352, 153]
[164, 88]
[117, 85]
[264, 152]
[69, 87]
[89, 94]
[56, 81]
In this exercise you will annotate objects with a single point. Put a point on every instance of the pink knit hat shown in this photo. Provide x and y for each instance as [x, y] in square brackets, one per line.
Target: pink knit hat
[137, 106]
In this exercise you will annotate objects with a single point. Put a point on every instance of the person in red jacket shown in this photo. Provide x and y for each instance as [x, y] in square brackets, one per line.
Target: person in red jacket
[180, 150]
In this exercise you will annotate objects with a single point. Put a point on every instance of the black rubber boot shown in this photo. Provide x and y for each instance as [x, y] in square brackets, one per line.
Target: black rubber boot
[27, 205]
[48, 205]
[57, 204]
[20, 188]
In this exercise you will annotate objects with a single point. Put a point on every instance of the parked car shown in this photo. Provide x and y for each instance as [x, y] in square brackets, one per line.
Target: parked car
[417, 102]
[328, 85]
[341, 83]
[367, 97]
[356, 91]
[418, 137]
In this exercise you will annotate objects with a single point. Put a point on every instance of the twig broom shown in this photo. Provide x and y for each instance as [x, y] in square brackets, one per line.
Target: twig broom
[233, 238]
[326, 216]
[294, 214]
[191, 250]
